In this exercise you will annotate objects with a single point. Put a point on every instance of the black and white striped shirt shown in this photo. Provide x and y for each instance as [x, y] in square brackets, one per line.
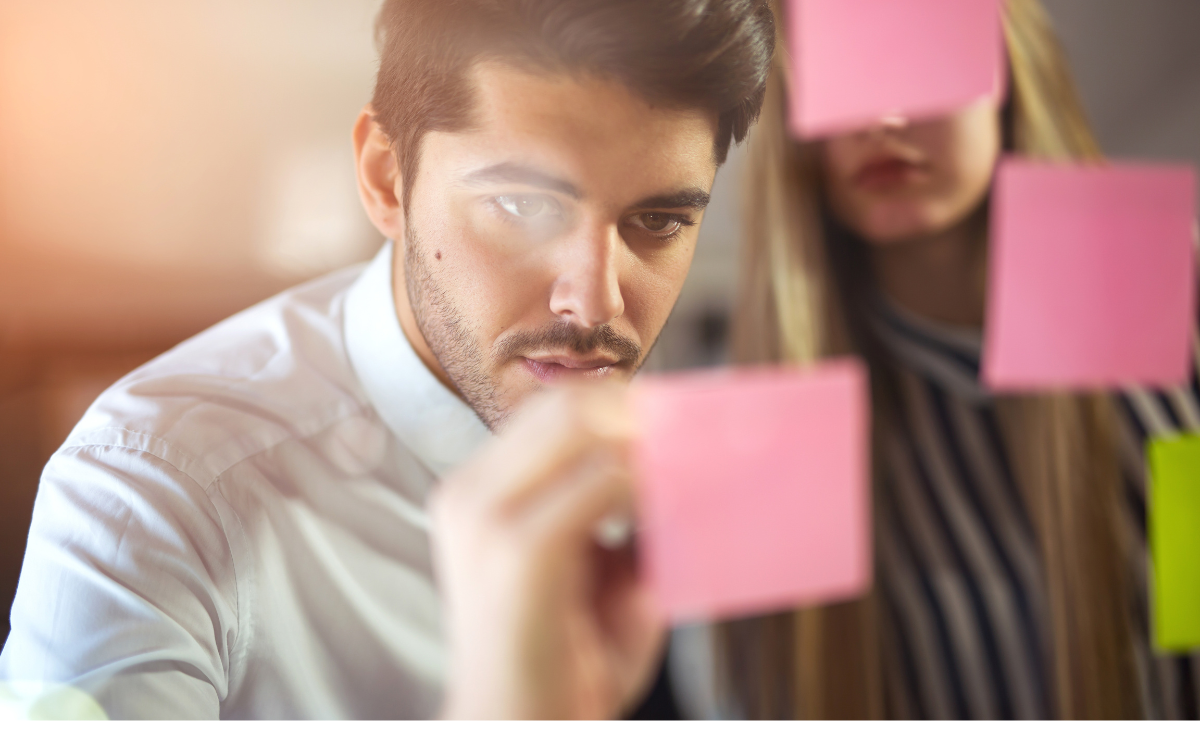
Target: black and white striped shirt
[959, 567]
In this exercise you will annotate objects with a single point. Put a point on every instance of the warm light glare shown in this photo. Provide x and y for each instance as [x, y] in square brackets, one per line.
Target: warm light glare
[205, 143]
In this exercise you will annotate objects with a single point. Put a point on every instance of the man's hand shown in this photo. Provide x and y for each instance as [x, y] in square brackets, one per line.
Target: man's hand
[543, 622]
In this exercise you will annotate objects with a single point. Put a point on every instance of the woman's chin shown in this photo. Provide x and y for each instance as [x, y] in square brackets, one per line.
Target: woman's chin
[893, 225]
[897, 235]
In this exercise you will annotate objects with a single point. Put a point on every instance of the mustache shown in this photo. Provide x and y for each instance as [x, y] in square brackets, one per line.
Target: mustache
[573, 337]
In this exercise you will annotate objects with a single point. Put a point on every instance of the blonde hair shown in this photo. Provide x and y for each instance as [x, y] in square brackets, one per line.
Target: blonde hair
[827, 662]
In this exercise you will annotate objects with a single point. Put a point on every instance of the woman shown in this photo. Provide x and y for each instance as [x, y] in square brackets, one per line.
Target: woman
[1010, 531]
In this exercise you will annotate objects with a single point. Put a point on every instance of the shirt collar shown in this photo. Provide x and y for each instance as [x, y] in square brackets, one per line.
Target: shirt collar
[428, 417]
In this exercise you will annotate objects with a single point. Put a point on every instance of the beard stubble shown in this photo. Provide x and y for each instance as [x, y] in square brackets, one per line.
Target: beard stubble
[463, 360]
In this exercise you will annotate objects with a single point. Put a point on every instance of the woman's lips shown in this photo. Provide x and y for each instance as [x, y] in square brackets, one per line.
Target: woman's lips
[888, 173]
[550, 370]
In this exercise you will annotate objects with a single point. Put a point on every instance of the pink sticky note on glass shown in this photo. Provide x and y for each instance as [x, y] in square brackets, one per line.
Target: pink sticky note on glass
[855, 62]
[1092, 276]
[753, 488]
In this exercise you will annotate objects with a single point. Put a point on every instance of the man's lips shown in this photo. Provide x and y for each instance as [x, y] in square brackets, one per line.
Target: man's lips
[552, 367]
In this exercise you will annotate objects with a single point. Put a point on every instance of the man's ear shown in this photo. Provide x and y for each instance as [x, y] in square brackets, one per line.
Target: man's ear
[380, 184]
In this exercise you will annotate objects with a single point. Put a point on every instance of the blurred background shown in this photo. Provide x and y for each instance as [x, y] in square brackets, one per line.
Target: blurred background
[166, 164]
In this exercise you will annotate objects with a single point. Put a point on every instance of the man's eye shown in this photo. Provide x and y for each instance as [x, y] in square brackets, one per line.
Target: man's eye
[660, 224]
[523, 206]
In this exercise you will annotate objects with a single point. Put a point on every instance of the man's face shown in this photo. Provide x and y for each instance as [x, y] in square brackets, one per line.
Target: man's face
[551, 239]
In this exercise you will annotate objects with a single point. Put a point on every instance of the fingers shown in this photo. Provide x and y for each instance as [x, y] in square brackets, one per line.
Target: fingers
[639, 633]
[566, 512]
[542, 488]
[538, 615]
[547, 439]
[636, 628]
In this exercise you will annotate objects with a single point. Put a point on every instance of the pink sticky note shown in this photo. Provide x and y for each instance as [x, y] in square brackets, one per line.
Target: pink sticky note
[857, 61]
[1092, 277]
[753, 488]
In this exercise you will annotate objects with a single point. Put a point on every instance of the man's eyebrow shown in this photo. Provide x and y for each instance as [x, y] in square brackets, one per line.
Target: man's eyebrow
[512, 172]
[694, 198]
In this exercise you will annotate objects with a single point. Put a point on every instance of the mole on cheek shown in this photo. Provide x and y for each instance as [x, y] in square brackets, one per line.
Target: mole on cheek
[438, 255]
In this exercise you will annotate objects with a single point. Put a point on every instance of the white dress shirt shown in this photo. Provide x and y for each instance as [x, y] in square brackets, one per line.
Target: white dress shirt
[237, 529]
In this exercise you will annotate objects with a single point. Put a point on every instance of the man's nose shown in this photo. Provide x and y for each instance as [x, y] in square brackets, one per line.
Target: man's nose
[587, 290]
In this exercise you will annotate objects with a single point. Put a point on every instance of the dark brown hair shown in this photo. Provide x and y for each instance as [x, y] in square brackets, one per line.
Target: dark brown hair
[708, 54]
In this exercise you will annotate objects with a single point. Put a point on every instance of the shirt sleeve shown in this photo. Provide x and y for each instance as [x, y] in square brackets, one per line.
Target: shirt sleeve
[128, 590]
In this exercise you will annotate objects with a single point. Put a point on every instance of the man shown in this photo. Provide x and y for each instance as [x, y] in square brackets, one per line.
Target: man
[239, 528]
